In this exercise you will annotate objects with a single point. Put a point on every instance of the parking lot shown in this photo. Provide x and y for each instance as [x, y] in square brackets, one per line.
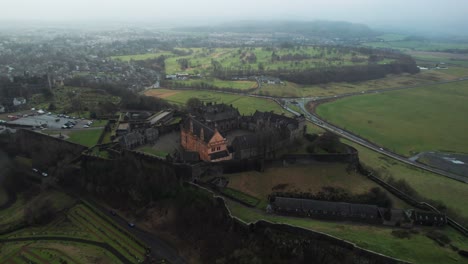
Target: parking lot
[51, 121]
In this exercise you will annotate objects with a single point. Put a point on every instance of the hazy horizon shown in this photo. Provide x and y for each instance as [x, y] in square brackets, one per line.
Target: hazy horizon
[426, 15]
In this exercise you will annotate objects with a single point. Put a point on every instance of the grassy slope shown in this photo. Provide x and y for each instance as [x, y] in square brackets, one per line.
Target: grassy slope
[409, 121]
[452, 193]
[303, 178]
[150, 150]
[417, 249]
[86, 138]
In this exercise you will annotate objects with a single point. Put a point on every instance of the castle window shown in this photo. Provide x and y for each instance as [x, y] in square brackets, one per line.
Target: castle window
[212, 149]
[218, 148]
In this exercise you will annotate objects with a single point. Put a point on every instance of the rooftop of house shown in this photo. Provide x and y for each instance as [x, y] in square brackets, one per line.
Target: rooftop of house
[345, 209]
[198, 126]
[217, 112]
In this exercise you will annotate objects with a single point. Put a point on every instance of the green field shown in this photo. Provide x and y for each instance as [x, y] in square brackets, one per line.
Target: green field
[86, 138]
[248, 199]
[81, 222]
[406, 45]
[53, 252]
[246, 105]
[302, 178]
[145, 56]
[432, 118]
[199, 60]
[197, 83]
[417, 249]
[150, 150]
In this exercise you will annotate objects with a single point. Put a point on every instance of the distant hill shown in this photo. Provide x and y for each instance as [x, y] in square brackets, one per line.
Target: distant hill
[328, 29]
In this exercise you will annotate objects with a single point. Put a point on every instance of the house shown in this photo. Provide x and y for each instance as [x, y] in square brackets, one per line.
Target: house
[132, 140]
[17, 101]
[224, 116]
[428, 218]
[210, 144]
[122, 129]
[151, 135]
[245, 146]
[161, 117]
[2, 109]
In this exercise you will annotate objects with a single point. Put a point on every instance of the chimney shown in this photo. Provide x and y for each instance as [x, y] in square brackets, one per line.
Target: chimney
[191, 125]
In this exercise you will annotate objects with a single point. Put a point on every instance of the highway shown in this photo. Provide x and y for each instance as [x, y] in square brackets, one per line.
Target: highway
[312, 117]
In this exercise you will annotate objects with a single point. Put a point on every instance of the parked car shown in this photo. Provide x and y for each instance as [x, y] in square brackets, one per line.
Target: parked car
[45, 174]
[35, 170]
[85, 126]
[131, 224]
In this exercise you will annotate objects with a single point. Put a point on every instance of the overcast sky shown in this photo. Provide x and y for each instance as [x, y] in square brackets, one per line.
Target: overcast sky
[378, 12]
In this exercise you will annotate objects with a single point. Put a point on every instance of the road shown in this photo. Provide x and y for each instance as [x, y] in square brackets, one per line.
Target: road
[312, 117]
[159, 248]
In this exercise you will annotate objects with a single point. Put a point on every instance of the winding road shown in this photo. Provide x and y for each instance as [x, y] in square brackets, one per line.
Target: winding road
[314, 118]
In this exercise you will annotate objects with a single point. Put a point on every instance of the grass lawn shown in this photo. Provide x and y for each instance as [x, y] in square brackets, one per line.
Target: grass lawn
[246, 105]
[241, 196]
[302, 178]
[417, 249]
[152, 151]
[54, 252]
[432, 186]
[432, 118]
[86, 138]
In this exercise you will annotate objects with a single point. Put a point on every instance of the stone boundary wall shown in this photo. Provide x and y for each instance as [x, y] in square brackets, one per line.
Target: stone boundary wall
[305, 237]
[410, 200]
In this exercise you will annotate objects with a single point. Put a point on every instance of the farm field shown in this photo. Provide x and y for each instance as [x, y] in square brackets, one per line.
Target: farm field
[246, 105]
[451, 193]
[302, 178]
[416, 249]
[408, 121]
[86, 138]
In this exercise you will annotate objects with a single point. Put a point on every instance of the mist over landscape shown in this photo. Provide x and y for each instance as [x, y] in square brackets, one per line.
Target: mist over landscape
[215, 131]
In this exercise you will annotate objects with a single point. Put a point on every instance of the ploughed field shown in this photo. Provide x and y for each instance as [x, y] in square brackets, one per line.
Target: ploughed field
[431, 118]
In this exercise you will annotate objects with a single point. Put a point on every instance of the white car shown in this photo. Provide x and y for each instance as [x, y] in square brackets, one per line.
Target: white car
[85, 126]
[45, 174]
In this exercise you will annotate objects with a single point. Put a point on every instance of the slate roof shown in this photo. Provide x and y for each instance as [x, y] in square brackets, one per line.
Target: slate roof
[281, 120]
[208, 132]
[219, 155]
[245, 142]
[217, 112]
[338, 208]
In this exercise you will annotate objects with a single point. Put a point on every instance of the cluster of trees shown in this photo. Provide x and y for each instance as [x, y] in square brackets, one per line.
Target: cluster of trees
[327, 142]
[372, 70]
[375, 196]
